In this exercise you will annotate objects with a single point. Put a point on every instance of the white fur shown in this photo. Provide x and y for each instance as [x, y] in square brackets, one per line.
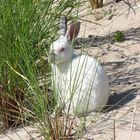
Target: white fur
[80, 80]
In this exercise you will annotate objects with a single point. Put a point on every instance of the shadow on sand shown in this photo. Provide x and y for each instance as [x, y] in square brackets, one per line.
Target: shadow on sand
[117, 101]
[95, 40]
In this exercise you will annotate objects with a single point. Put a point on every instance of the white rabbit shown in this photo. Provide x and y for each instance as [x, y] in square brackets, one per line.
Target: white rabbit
[79, 80]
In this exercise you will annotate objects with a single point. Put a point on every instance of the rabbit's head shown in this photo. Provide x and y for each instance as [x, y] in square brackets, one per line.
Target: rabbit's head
[61, 50]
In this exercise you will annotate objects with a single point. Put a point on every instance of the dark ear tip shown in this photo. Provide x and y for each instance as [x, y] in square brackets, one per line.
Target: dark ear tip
[78, 22]
[63, 25]
[75, 22]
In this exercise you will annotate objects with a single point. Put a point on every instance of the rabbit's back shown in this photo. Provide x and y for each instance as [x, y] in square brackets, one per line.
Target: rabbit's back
[92, 85]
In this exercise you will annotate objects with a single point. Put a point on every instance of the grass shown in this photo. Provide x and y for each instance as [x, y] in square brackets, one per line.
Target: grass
[23, 26]
[118, 36]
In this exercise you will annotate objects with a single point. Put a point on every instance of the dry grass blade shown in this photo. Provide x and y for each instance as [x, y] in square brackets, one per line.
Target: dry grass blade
[114, 130]
[61, 127]
[96, 4]
[130, 6]
[134, 114]
[85, 20]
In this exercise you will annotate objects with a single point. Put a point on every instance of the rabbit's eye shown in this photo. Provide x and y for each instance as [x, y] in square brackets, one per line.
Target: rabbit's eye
[62, 49]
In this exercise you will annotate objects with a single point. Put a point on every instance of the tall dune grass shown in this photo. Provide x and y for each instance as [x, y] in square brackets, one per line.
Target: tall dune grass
[23, 26]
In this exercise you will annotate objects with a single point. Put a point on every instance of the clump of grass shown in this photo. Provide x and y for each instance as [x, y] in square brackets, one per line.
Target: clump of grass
[24, 24]
[118, 36]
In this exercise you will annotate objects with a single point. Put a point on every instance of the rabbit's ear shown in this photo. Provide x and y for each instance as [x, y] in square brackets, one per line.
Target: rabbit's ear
[73, 30]
[63, 26]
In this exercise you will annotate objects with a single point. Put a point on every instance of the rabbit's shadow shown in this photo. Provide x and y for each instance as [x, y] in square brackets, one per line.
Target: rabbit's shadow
[117, 101]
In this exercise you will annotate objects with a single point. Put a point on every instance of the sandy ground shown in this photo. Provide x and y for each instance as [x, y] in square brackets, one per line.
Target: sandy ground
[122, 64]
